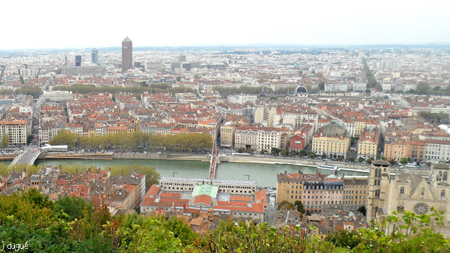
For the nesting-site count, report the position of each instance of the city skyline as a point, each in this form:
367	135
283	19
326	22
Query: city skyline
236	23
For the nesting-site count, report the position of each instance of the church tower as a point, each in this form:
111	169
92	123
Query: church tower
379	185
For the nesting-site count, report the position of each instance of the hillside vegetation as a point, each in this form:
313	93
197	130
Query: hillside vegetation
71	225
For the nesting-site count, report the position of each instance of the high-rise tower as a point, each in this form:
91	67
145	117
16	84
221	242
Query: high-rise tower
94	56
78	60
127	54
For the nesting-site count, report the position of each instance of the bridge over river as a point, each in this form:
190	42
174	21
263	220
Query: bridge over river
28	156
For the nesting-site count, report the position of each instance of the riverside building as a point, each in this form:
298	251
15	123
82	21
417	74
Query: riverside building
236	198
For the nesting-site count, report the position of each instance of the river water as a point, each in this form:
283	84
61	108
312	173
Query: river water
264	174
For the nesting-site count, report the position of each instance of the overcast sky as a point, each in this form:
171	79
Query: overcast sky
96	23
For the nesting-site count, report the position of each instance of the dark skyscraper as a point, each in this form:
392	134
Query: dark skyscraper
94	55
127	54
78	60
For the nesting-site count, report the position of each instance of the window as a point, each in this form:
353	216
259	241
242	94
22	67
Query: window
402	190
422	192
443	194
445	176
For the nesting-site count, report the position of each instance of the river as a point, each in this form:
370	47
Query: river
264	174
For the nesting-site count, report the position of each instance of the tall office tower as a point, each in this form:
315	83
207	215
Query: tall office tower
182	58
127	54
94	55
78	60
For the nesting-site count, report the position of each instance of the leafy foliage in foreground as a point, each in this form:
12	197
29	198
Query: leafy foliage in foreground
55	227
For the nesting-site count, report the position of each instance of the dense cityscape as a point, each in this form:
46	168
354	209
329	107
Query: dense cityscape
367	129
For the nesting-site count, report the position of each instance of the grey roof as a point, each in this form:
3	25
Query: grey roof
380	162
301	89
333	129
126	39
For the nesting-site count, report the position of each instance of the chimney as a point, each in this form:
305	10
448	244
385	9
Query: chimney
322	222
304	218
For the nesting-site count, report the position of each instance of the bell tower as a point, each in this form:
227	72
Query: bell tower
378	187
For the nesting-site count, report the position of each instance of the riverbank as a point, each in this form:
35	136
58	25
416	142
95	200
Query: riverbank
176	156
343	166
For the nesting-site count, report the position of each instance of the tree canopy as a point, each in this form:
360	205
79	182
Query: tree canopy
135	141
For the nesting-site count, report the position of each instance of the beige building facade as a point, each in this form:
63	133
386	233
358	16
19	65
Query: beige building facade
400	192
332	140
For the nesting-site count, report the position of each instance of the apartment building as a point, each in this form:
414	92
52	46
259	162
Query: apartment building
396	149
355	192
437	150
17	130
332	139
417	150
227	132
268	138
368	144
264	115
246	137
316	191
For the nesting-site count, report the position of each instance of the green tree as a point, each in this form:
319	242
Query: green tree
241	150
423	88
404	160
299	206
321	85
312	155
74	207
362	209
344	239
294	153
29	139
5	141
303	152
285	205
383	158
275	151
324	155
351	159
283	152
180	230
360	159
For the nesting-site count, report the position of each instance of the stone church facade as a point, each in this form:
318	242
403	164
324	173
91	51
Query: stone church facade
398	192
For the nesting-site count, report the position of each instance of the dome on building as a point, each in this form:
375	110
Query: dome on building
301	89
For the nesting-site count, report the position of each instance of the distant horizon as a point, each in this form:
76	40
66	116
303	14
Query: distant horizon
252	46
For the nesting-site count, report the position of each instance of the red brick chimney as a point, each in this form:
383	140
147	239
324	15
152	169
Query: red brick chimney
304	218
